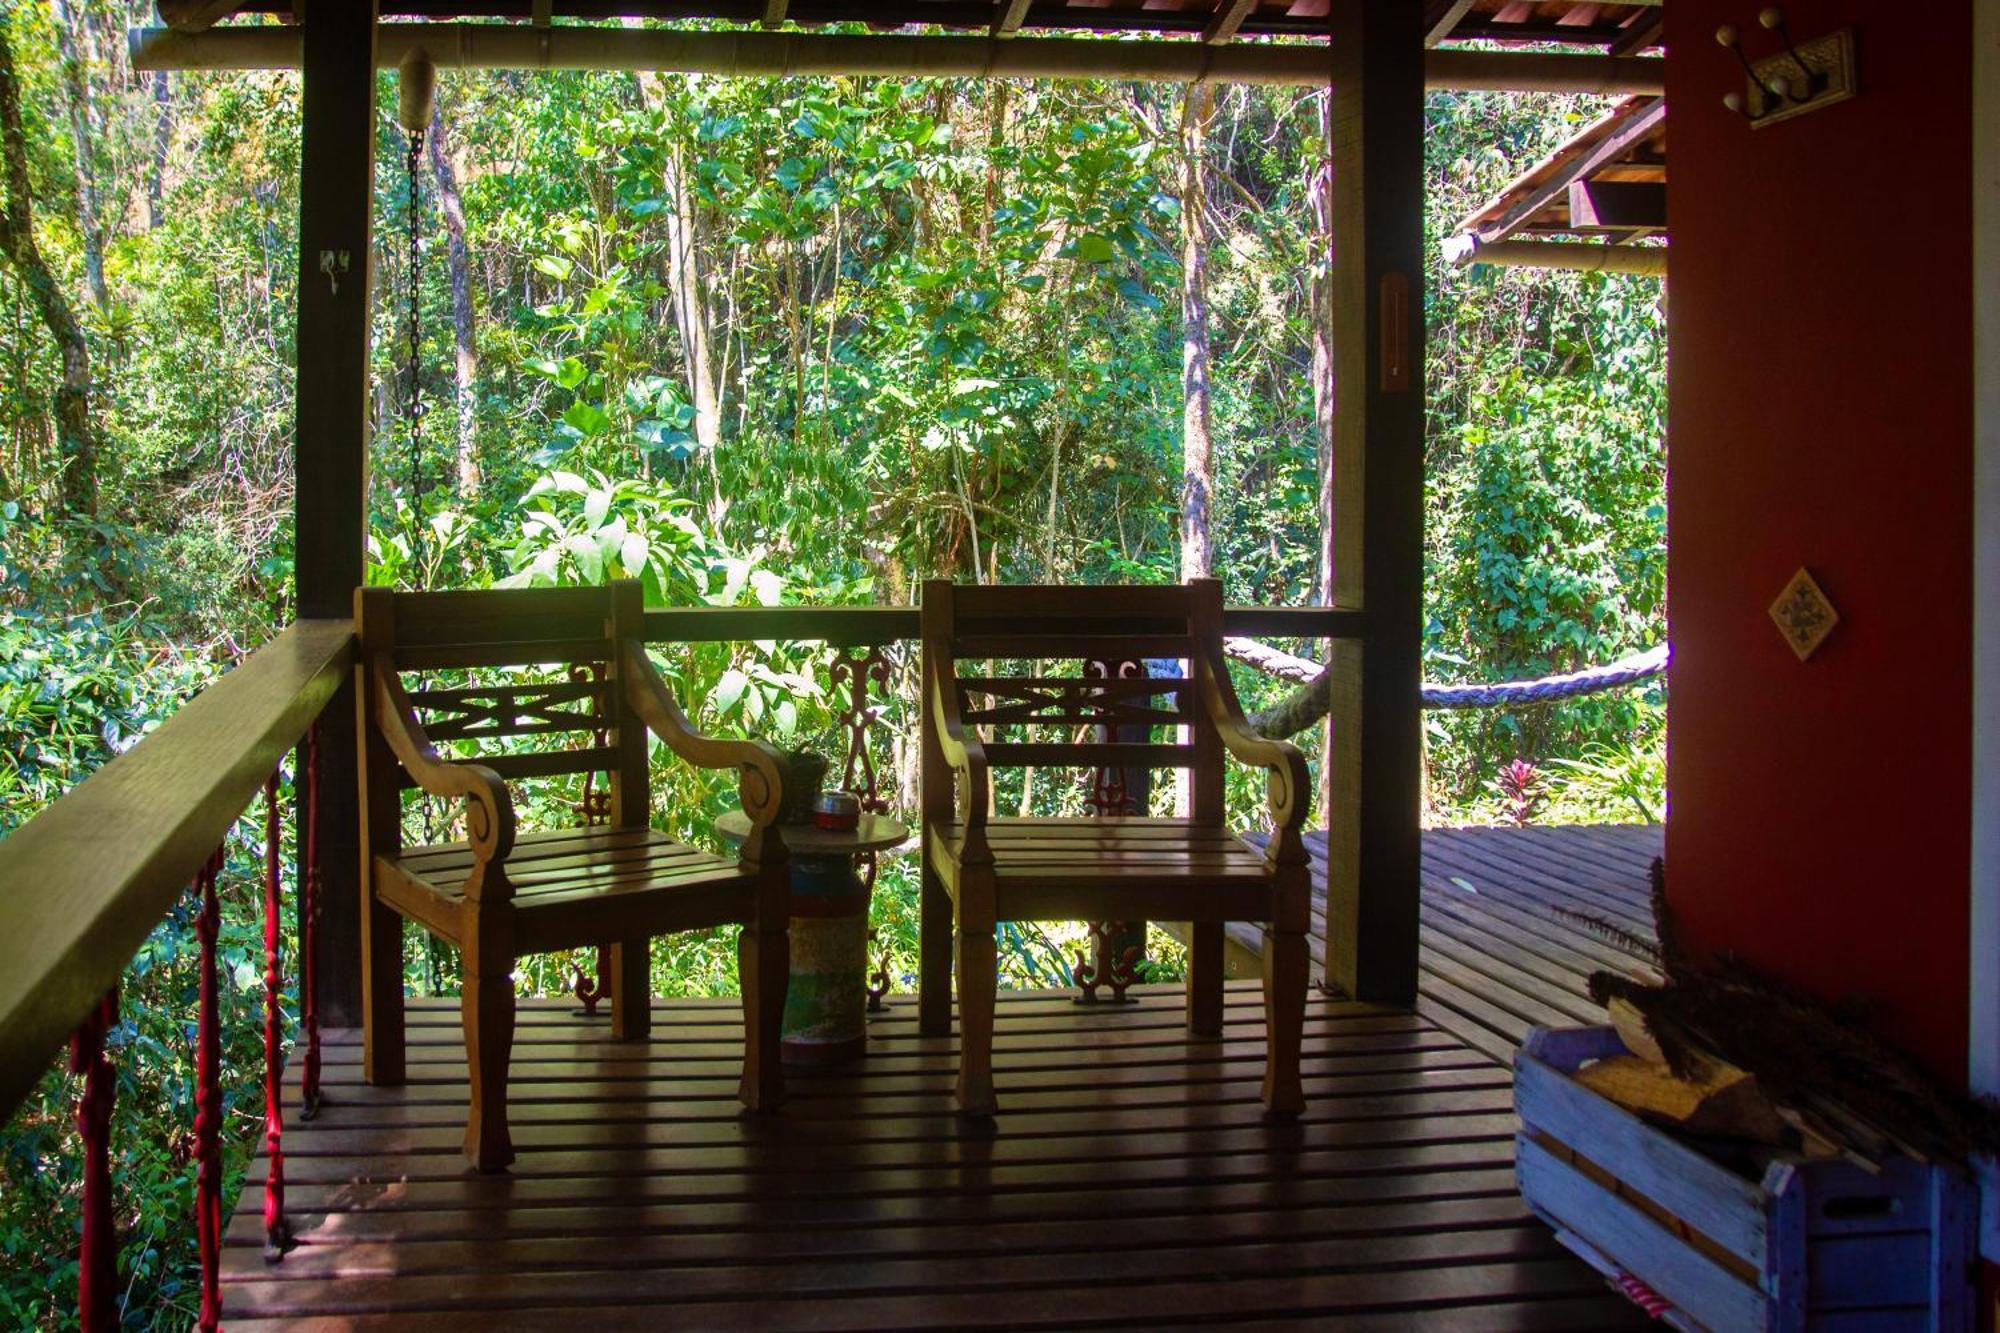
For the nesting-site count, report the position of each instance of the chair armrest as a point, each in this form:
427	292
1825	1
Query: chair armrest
1290	785
963	751
489	809
761	787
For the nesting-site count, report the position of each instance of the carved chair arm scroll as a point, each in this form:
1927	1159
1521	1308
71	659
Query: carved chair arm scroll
489	809
962	750
1289	790
761	766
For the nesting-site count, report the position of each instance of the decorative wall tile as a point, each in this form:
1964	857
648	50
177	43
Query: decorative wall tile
1803	614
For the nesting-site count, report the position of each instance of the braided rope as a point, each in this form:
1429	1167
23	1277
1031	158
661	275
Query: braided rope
1545	689
1591	680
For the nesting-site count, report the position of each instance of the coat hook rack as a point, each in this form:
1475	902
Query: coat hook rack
1799	79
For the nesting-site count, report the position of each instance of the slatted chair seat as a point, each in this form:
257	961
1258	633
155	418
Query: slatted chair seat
573	670
1117	854
562	879
982	868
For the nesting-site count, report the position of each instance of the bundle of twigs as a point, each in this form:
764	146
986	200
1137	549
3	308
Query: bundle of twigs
1804	1052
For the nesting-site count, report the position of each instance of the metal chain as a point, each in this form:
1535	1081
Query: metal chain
413	403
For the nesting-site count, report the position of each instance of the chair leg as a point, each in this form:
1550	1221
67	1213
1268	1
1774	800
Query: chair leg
934	954
631	990
763	970
1204	982
382	1038
487	1003
1286	975
978	984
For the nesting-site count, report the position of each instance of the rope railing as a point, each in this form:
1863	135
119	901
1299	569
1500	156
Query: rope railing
1309	703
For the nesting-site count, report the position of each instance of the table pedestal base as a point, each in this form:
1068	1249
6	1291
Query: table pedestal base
826	1004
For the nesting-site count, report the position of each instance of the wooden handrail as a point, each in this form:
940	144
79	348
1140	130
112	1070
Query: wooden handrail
869	626
84	881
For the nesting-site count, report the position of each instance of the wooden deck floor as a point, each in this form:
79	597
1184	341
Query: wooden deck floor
1498	955
1129	1180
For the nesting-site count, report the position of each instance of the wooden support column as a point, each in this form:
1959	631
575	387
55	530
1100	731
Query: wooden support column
1375	527
336	197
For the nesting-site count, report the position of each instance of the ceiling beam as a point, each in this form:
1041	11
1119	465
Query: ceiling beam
1229	16
1574	256
496	46
196	15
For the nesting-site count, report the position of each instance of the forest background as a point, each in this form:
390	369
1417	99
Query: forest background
753	341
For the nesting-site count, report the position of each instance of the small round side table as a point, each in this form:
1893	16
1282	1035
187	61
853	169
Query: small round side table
826	1003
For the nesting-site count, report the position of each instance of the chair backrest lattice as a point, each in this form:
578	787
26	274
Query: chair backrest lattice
1064	677
520	680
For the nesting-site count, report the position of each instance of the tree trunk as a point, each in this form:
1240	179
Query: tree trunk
76	86
163	138
75	432
690	289
687	285
466	365
1322	340
1197	450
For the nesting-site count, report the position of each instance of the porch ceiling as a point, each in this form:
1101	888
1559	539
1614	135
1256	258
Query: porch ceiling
1619	27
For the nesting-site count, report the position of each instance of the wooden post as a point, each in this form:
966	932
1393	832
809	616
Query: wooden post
336	197
1375	527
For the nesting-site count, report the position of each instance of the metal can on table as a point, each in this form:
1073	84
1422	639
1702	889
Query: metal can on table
837	810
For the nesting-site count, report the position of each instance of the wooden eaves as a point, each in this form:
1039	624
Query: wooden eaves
1609	183
764	46
1616	27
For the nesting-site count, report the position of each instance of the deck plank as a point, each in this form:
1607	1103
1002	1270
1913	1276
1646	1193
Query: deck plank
1130	1178
1505	929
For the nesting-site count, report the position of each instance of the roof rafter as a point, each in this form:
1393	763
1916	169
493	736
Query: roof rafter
1229	16
1445	20
1008	16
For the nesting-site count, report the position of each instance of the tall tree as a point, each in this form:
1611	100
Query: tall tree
163	139
687	285
1321	309
76	438
1197	447
76	87
689	288
465	366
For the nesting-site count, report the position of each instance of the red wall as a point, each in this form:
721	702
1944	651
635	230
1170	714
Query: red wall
1821	415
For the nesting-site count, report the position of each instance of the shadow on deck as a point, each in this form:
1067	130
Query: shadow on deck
1129	1180
1501	946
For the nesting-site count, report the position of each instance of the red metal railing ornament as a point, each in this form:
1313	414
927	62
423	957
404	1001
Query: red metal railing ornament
97	1266
1112	967
1110	797
208	1102
277	1235
851	672
309	934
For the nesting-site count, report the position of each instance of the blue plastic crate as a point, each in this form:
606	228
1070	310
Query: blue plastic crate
1814	1245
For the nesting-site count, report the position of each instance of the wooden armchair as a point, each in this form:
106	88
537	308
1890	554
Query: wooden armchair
981	869
498	896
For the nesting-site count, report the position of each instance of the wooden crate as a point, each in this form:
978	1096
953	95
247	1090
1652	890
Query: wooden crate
1819	1245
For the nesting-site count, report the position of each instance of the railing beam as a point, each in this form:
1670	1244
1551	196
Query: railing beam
85	881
